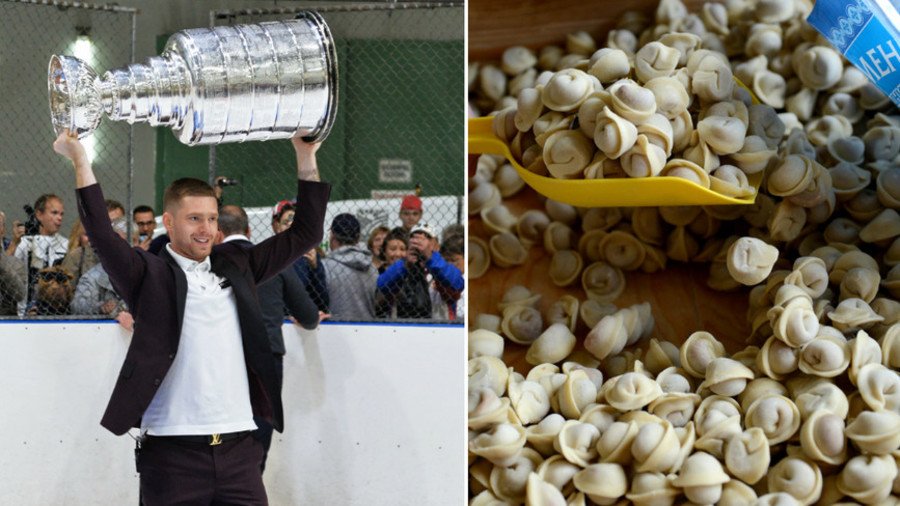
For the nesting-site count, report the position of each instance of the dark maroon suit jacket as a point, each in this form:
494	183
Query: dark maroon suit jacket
155	289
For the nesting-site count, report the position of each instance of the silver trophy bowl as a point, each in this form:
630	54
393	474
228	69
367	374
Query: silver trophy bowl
238	83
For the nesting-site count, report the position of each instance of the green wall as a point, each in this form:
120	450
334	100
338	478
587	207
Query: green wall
398	99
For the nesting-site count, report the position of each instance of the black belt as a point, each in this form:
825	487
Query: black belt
210	440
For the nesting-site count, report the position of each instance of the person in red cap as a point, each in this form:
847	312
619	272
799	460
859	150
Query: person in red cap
410	211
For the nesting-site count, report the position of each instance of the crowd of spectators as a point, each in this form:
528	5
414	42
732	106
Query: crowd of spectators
405	272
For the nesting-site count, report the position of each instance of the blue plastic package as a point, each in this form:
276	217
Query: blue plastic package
867	33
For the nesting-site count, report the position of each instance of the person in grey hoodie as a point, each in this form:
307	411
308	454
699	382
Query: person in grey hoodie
94	294
350	275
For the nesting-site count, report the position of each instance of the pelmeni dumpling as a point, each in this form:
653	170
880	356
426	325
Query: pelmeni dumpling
791	176
822	437
776	415
613	134
479	257
750	260
492	82
608	64
821	395
675	407
506	250
648	489
698	351
818	67
686	169
727	377
868	478
565	267
517	59
485	343
765	124
509	483
521	324
602	282
701	477
567	153
655	60
746	455
529	108
725	135
542	434
541	493
576	442
644	159
501	445
658	130
879	387
875	432
630	391
602	483
656	447
798	477
567	89
487	409
553	345
763	39
826	356
488	372
810	275
671	96
711	76
632	101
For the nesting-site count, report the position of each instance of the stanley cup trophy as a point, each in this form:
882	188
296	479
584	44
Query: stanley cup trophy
212	85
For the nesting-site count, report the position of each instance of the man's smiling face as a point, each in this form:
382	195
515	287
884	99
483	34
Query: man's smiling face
192	226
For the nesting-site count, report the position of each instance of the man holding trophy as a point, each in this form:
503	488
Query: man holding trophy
199	366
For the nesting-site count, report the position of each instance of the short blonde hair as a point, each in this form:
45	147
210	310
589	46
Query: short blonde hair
186	187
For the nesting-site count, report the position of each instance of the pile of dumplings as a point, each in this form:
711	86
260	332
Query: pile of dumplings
809	411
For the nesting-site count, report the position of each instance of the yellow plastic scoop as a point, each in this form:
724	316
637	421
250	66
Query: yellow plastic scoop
614	192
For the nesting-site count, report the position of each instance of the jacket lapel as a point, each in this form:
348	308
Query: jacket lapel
180	285
245	298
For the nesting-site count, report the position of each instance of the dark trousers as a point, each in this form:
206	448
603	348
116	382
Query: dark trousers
264	430
199	474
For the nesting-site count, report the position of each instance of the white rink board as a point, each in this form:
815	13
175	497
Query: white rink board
374	415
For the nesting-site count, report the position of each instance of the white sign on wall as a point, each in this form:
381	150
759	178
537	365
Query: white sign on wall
394	170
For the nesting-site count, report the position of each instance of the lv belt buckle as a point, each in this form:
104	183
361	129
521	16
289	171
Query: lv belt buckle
215	439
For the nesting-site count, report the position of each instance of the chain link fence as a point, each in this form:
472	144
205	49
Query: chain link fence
42	271
395	155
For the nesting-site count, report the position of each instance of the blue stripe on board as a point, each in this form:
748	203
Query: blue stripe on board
355	324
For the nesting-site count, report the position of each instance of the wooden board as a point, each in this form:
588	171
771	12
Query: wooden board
495	25
681	302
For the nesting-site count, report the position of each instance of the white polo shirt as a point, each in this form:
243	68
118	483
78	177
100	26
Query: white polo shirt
206	389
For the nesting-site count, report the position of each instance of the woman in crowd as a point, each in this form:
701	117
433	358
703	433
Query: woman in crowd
80	257
376	245
309	267
394	248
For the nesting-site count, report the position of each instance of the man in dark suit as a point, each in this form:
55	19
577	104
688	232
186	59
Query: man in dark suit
199	367
282	292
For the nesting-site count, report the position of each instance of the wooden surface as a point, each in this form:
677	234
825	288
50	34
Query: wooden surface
495	25
681	302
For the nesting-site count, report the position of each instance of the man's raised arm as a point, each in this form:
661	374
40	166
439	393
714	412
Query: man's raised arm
124	266
307	169
70	147
276	253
